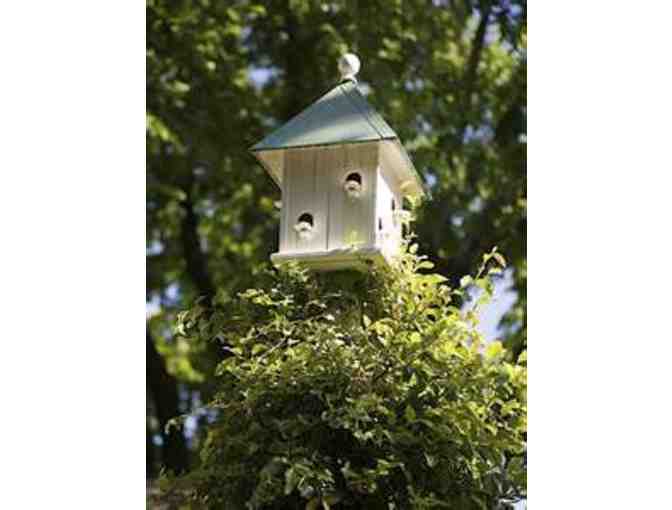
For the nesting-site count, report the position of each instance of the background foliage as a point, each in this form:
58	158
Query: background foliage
449	77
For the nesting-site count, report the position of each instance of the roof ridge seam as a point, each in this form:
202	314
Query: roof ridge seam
362	113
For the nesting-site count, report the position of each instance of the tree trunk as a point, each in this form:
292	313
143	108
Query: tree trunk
197	266
163	389
150	455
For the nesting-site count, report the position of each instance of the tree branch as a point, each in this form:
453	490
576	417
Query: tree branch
475	55
451	141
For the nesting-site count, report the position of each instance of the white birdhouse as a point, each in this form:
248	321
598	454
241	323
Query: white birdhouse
343	175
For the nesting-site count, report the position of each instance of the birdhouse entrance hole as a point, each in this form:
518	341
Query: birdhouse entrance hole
306	218
355	177
353	184
304	226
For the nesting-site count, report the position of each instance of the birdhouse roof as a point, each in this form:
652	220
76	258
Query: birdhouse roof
340	116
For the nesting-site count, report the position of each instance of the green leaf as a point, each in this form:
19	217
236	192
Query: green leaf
494	349
291	480
465	281
431	460
409	413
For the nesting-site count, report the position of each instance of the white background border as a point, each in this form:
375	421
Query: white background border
600	189
72	269
72	160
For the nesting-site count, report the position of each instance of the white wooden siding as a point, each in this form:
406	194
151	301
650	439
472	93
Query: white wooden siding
329	162
390	236
391	166
313	183
351	220
303	195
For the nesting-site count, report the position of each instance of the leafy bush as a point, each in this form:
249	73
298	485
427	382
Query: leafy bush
365	390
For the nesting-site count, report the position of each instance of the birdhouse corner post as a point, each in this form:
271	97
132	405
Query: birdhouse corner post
343	174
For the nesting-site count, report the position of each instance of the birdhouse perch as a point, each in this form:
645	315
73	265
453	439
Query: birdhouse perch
343	174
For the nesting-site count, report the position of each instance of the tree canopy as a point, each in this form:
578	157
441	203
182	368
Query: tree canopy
448	76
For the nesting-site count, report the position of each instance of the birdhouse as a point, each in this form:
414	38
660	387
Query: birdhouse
343	174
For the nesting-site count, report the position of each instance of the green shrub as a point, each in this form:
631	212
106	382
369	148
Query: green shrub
365	390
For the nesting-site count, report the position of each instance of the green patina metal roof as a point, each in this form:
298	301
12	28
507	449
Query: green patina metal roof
342	115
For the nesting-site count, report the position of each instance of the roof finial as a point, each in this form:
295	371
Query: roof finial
349	65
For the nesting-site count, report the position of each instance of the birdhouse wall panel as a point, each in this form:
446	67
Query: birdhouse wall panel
388	235
306	203
394	163
367	156
351	214
319	204
285	224
334	172
398	197
330	162
383	212
321	197
390	166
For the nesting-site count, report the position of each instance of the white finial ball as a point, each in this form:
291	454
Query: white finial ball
349	65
